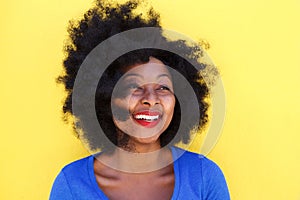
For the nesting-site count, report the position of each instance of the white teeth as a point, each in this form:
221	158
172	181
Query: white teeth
146	117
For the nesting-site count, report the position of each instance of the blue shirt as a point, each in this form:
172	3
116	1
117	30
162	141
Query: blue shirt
196	178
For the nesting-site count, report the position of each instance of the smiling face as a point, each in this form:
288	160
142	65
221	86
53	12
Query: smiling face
143	101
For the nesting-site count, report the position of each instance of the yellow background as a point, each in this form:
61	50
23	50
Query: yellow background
255	44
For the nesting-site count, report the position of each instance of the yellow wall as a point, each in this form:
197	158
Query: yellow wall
256	45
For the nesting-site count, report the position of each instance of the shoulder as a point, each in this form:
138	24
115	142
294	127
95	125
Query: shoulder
75	171
78	165
74	181
204	176
192	160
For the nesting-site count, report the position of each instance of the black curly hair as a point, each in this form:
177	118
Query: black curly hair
103	21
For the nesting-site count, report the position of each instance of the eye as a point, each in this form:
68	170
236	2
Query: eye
134	89
162	87
134	86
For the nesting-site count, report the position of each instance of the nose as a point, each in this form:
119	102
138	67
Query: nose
150	97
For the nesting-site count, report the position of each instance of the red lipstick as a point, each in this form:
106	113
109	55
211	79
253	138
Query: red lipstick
147	119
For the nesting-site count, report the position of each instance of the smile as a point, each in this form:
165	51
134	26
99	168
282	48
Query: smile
147	118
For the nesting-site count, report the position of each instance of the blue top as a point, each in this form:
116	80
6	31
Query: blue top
196	178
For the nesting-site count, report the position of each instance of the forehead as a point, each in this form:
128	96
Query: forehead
152	70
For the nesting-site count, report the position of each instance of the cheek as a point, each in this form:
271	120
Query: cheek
125	103
170	105
120	109
132	103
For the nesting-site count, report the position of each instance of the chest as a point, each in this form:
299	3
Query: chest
141	187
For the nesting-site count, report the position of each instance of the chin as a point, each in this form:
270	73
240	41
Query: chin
148	140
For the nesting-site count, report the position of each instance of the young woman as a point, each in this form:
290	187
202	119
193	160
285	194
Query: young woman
141	115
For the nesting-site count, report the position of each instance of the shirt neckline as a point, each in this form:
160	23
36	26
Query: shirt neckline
101	194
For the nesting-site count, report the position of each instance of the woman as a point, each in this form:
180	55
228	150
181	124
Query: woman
138	108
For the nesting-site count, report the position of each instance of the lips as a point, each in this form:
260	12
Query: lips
147	119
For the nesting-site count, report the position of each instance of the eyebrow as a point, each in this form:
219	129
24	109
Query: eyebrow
133	74
162	75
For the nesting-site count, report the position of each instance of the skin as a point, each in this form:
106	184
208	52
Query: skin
144	88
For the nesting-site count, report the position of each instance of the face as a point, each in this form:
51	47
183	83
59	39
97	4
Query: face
143	101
